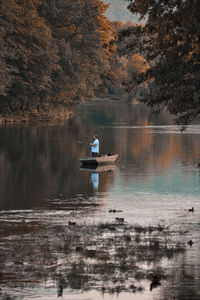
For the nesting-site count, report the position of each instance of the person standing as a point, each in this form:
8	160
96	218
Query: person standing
95	146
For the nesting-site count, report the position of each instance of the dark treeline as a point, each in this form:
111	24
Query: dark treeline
51	53
170	42
54	54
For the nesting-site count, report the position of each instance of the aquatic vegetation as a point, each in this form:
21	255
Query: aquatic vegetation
108	257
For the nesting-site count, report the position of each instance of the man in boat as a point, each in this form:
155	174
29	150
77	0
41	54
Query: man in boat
95	146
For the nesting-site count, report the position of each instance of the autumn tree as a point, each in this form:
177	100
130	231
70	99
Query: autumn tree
80	31
53	53
124	64
169	41
27	56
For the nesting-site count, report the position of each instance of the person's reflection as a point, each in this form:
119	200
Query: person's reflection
95	180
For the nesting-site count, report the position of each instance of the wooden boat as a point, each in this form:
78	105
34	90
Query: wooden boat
98	168
99	160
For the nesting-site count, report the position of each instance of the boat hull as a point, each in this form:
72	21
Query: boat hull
98	168
101	160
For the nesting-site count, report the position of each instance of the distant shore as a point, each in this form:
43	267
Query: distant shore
52	115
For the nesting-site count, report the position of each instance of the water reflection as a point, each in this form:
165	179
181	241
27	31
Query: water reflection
99	168
43	187
105	257
95	180
94	171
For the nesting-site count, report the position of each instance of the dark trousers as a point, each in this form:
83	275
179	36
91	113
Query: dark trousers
94	154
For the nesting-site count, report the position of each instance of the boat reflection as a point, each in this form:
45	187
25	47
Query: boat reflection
99	168
95	170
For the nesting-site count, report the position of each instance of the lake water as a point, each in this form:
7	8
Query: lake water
42	187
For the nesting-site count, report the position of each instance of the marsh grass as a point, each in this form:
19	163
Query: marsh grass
108	257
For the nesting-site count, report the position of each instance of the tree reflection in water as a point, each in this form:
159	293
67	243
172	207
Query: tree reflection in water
41	185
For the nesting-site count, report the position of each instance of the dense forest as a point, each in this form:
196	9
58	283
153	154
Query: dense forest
52	53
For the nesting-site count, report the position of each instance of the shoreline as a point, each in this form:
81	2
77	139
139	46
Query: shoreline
54	115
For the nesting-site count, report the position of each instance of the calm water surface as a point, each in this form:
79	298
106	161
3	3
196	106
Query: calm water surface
42	187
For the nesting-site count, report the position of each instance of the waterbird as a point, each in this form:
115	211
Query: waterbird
71	223
114	211
183	127
191	209
120	220
155	281
190	243
154	284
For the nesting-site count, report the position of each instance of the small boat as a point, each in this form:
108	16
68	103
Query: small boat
99	160
98	168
